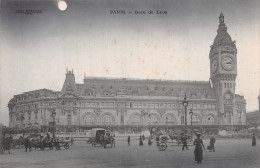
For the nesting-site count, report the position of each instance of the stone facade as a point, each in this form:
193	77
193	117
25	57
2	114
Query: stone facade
135	102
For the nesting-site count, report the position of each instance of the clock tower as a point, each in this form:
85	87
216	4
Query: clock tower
223	72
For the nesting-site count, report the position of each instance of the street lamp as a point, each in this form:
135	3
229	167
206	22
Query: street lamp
53	115
167	123
185	104
191	114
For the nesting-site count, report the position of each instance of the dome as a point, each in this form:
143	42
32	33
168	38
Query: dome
222	38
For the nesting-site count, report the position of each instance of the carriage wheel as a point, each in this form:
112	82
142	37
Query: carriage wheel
66	146
162	146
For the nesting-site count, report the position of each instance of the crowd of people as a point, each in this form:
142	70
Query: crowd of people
28	142
108	141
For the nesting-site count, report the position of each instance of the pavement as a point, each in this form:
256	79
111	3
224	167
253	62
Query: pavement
230	153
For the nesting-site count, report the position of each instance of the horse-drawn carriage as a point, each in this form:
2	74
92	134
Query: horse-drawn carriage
100	137
49	144
173	139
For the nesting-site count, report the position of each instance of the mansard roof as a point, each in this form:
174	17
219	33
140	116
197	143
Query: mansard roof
145	87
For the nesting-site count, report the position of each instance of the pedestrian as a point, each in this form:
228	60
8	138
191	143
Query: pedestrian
184	139
149	141
143	137
71	140
198	152
253	140
157	139
27	144
212	144
128	140
141	141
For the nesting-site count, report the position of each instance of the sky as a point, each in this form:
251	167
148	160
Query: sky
36	49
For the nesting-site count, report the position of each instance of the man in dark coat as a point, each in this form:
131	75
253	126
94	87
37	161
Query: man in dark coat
128	140
212	144
253	140
184	139
27	144
141	141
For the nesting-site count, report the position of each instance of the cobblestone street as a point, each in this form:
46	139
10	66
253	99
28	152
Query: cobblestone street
229	153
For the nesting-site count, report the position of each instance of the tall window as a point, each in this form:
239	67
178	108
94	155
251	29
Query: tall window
69	119
229	118
182	119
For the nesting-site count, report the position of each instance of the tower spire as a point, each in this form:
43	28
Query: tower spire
221	18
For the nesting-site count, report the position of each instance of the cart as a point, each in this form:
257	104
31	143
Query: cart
173	140
98	137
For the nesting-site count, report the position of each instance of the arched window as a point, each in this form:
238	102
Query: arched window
107	120
195	120
170	120
89	120
136	120
210	120
152	119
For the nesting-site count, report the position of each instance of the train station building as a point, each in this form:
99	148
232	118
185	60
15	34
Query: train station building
137	103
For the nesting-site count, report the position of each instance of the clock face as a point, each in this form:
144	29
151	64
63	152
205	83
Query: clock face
227	63
214	66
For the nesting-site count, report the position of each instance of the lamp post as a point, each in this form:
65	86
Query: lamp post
185	104
191	114
167	124
53	115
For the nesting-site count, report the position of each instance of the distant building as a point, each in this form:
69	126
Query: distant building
133	103
253	117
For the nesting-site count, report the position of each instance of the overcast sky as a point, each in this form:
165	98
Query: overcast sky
36	49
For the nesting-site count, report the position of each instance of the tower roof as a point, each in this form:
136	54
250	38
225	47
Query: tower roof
69	83
222	37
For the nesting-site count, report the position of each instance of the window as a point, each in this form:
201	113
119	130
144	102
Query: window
239	114
210	120
182	119
229	118
69	119
107	120
170	120
136	120
152	120
195	120
89	120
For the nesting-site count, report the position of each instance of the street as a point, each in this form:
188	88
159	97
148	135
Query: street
231	153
